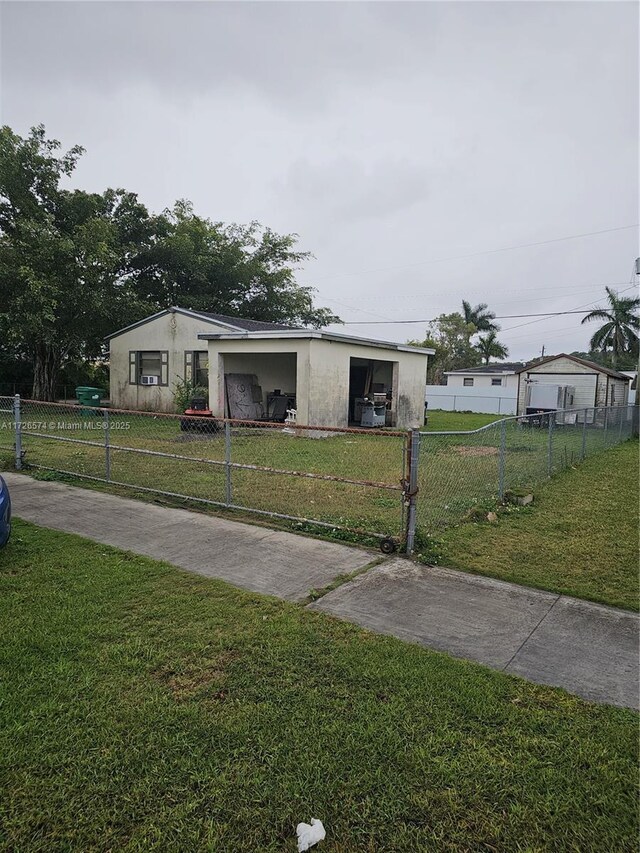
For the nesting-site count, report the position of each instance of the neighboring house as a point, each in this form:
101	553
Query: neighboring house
324	375
498	375
491	388
594	385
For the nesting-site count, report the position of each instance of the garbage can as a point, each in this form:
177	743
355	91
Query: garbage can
88	396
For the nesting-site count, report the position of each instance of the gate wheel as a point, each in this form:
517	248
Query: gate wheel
388	545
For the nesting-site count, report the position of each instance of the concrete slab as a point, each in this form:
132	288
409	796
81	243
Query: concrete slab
255	558
586	648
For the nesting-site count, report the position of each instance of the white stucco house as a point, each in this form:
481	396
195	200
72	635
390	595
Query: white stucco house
594	384
247	365
498	375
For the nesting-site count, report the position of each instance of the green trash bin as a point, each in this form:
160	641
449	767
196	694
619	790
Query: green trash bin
88	396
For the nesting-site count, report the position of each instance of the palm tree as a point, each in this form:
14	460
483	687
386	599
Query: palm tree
620	331
479	316
490	347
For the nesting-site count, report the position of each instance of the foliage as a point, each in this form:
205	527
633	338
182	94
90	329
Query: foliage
74	265
150	709
450	336
184	390
490	347
479	317
619	333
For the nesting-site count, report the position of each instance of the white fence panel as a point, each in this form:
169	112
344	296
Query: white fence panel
493	401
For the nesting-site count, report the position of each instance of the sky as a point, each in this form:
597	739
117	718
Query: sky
404	142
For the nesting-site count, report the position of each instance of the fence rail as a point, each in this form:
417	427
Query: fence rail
385	484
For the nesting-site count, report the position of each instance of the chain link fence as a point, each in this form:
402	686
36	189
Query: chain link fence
385	484
460	472
348	479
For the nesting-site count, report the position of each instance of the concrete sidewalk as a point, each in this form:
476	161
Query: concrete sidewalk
255	558
588	649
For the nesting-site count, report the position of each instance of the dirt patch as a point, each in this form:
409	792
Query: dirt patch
197	678
475	451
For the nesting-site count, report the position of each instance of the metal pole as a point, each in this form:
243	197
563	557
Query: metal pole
227	462
107	447
502	458
413	488
17	423
606	425
550	449
584	434
619	410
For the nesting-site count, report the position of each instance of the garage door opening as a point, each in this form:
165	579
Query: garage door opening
373	382
259	386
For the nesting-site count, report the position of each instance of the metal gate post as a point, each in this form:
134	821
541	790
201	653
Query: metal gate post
550	449
107	446
502	458
227	462
17	425
414	461
584	434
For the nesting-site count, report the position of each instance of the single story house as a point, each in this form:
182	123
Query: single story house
252	369
594	384
496	375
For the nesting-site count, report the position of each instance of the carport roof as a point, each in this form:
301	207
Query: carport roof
315	334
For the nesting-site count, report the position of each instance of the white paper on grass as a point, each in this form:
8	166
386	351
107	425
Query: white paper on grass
309	834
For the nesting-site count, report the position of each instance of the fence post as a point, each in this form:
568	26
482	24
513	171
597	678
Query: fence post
584	434
17	424
619	410
227	462
107	446
606	425
502	458
414	461
550	449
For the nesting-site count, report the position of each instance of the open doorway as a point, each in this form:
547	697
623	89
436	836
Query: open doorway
373	381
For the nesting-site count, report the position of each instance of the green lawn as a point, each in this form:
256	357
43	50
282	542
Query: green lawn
441	420
579	538
147	709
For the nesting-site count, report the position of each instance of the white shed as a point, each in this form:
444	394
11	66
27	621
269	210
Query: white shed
594	384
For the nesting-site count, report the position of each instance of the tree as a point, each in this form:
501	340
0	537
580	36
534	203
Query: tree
490	347
619	333
479	317
241	270
450	336
74	265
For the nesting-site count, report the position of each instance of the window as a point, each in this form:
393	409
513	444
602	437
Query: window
196	367
467	382
613	394
148	363
496	381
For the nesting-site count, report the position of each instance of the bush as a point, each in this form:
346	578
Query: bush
183	392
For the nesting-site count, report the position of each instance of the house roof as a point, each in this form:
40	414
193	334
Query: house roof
583	361
232	323
497	367
317	334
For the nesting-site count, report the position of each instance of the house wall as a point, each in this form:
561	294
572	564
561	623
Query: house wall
329	390
172	332
593	388
509	382
322	376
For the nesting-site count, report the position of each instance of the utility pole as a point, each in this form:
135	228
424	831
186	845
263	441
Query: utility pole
542	353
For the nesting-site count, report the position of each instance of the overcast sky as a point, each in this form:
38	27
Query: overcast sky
395	138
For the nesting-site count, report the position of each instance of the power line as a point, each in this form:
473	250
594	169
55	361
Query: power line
478	254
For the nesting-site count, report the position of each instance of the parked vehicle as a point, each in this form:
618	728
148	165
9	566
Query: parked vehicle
5	513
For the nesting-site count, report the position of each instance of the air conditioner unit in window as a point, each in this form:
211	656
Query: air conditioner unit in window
149	380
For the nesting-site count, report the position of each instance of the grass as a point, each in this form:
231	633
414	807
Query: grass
147	709
439	419
580	537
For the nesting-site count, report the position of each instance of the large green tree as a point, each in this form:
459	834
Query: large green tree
74	265
450	336
618	335
479	317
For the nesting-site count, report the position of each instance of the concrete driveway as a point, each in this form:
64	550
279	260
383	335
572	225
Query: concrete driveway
255	558
588	649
